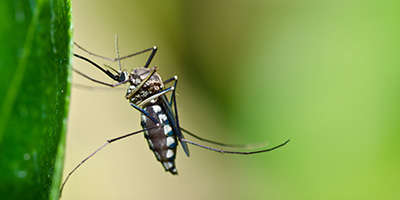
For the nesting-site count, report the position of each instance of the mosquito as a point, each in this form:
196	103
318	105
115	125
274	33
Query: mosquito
159	115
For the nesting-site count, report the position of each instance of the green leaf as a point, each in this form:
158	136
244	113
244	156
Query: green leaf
35	60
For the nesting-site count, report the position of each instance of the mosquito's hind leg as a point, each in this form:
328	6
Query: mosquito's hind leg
233	152
175	79
173	101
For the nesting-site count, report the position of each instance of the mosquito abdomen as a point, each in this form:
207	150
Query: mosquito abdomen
162	140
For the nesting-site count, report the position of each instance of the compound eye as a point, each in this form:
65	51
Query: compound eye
123	77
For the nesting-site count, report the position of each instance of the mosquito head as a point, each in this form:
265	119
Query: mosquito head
144	83
122	76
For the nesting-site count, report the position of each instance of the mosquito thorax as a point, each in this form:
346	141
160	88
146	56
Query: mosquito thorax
152	86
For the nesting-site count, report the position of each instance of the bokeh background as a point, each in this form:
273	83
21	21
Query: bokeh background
323	73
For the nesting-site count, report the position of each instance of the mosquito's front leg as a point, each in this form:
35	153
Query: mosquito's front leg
152	49
101	82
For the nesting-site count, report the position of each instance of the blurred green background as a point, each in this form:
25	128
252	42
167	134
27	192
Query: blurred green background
323	73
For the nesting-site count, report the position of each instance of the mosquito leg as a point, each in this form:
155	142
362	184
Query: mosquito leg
109	67
153	52
179	133
83	161
174	78
100	82
93	54
173	99
156	96
97	150
153	49
232	152
108	73
145	113
262	144
94	88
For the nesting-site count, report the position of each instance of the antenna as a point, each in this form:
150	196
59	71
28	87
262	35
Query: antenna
117	51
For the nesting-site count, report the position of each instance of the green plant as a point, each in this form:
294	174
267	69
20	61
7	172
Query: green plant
35	59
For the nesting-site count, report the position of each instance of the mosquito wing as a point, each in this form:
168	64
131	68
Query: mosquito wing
174	122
